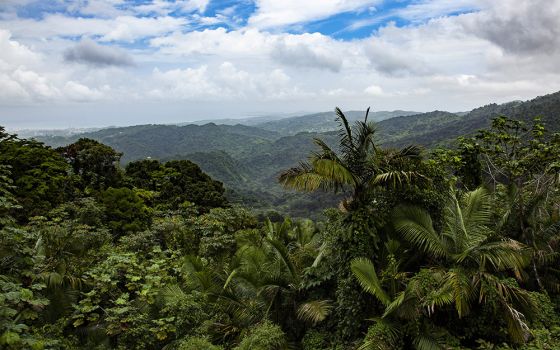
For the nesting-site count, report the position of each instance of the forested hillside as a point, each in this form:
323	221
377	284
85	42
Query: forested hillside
248	159
434	130
322	122
452	248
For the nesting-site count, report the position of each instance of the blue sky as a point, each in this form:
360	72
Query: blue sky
99	62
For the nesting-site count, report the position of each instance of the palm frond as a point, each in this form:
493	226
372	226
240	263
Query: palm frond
395	178
502	255
425	342
364	271
416	227
394	305
516	323
392	334
304	178
333	171
314	311
476	208
284	256
326	150
460	284
346	140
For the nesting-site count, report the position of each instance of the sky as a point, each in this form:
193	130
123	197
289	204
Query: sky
87	63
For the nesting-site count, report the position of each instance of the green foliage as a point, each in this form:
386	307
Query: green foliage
38	175
216	231
197	343
382	336
95	163
416	257
7	199
125	210
176	182
315	340
265	336
123	290
18	307
471	254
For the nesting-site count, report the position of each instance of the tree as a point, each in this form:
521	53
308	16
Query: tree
360	167
145	173
39	175
7	199
185	181
125	211
363	171
95	163
177	182
474	259
521	163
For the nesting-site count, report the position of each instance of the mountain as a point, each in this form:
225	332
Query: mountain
439	128
248	159
249	121
162	141
416	128
322	122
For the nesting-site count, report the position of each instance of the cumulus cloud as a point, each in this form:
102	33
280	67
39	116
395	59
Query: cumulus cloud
224	81
519	26
80	92
122	28
298	53
20	83
374	90
392	61
89	52
501	50
294	50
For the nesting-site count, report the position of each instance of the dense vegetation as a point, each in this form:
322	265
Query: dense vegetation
457	248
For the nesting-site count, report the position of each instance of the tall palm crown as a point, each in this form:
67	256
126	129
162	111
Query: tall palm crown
474	257
473	262
358	167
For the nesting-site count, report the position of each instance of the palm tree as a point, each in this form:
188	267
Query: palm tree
532	218
472	257
273	267
407	301
264	280
358	168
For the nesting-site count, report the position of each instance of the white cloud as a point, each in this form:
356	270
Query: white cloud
427	9
506	50
307	51
79	92
12	51
121	28
222	82
18	82
374	90
164	7
302	50
274	13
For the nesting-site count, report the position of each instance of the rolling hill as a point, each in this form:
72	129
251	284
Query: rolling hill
248	159
323	122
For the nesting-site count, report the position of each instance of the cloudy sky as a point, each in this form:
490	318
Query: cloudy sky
119	62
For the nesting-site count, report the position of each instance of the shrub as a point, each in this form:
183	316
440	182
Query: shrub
266	336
